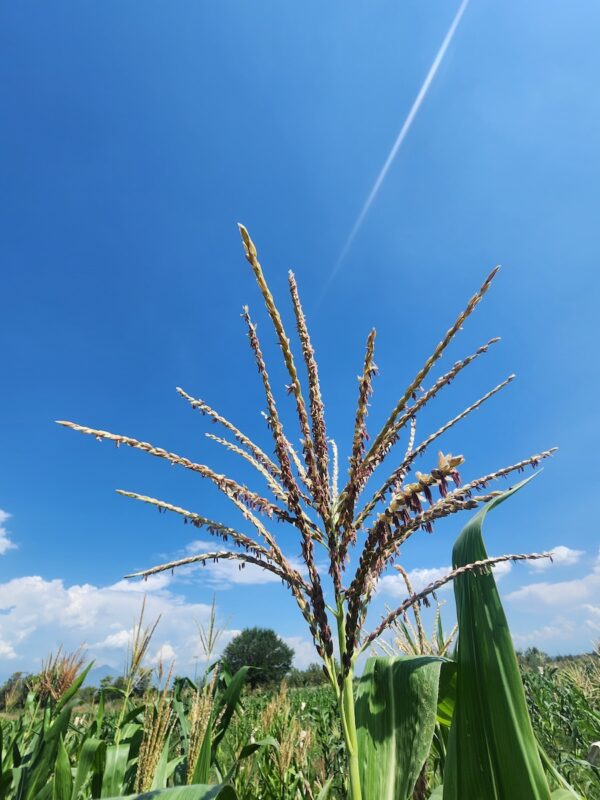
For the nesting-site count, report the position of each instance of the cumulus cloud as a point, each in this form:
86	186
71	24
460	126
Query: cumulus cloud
6	543
562	556
40	614
37	615
574	602
164	654
592	621
394	586
559	630
6	650
226	574
304	651
562	594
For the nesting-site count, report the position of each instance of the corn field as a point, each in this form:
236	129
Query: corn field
449	723
280	744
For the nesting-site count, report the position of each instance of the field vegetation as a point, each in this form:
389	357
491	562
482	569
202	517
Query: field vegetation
278	742
429	717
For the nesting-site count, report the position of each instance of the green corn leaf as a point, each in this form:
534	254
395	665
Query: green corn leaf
492	751
568	792
85	763
5	774
159	781
326	790
446	693
202	766
63	780
437	793
74	688
117	756
249	750
229	700
396	704
38	769
196	792
132	715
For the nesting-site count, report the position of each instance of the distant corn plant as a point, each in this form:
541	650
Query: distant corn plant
59	672
157	724
411	638
304	489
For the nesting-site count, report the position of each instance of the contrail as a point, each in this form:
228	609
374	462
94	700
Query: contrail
400	138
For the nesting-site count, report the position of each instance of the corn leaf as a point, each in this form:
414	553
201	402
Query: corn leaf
396	704
63	780
492	751
446	694
196	792
159	780
204	760
85	763
117	757
38	765
326	790
74	688
226	704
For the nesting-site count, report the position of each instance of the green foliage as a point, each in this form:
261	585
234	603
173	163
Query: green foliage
564	717
493	752
565	712
139	686
197	792
313	675
13	691
396	705
268	656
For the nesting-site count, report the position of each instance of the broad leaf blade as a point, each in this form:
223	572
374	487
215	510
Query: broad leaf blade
85	764
396	706
202	767
197	792
117	756
63	780
492	751
227	702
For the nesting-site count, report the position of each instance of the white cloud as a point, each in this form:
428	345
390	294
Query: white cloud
593	618
304	651
578	617
227	573
562	594
115	641
6	650
502	569
38	615
164	655
201	545
559	630
562	556
6	543
394	586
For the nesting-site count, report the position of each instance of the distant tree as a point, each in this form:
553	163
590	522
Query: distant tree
313	675
13	691
87	695
261	649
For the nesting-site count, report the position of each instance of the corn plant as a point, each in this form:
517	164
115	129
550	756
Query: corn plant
358	538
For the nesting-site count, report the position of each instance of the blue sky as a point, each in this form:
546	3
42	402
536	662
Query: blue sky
136	135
